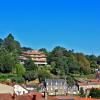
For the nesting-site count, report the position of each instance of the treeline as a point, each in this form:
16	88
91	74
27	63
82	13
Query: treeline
61	62
65	61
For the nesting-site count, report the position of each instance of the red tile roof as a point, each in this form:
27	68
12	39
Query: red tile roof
89	82
23	97
89	99
39	96
6	97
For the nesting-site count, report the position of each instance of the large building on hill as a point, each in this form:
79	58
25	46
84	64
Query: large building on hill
38	57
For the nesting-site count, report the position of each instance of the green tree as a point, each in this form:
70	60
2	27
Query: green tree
44	50
1	42
93	61
29	65
94	93
7	62
42	74
84	63
31	75
81	91
56	53
20	70
70	81
11	45
26	48
73	64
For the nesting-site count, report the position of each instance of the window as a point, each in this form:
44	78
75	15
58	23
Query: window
56	87
51	83
19	92
56	83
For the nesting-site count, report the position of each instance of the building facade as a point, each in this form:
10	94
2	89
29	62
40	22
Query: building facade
73	89
38	57
56	86
89	84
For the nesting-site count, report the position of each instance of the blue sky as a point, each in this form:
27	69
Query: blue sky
74	24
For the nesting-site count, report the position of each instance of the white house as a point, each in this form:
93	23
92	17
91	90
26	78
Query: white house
20	90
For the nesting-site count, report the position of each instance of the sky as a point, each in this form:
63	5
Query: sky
73	24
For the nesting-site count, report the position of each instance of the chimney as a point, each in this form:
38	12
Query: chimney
14	96
45	95
34	97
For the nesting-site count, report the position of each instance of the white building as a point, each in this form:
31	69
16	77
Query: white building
20	90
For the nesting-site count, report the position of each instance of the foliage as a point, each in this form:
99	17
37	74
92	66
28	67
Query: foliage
93	61
20	70
84	64
62	62
29	65
9	54
43	74
10	44
44	50
26	48
7	61
70	81
30	75
81	91
94	93
18	79
1	42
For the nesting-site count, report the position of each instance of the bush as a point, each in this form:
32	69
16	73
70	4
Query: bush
18	79
5	69
94	93
30	75
42	74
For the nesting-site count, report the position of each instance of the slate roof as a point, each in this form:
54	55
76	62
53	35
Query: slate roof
60	82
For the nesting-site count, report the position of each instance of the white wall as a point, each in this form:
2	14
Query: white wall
19	90
6	89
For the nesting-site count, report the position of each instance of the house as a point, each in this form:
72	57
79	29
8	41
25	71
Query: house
88	84
20	90
6	89
73	89
56	86
38	57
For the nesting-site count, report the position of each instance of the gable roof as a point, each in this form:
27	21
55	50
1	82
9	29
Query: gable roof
54	81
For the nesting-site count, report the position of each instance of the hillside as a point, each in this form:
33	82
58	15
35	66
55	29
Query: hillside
61	63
